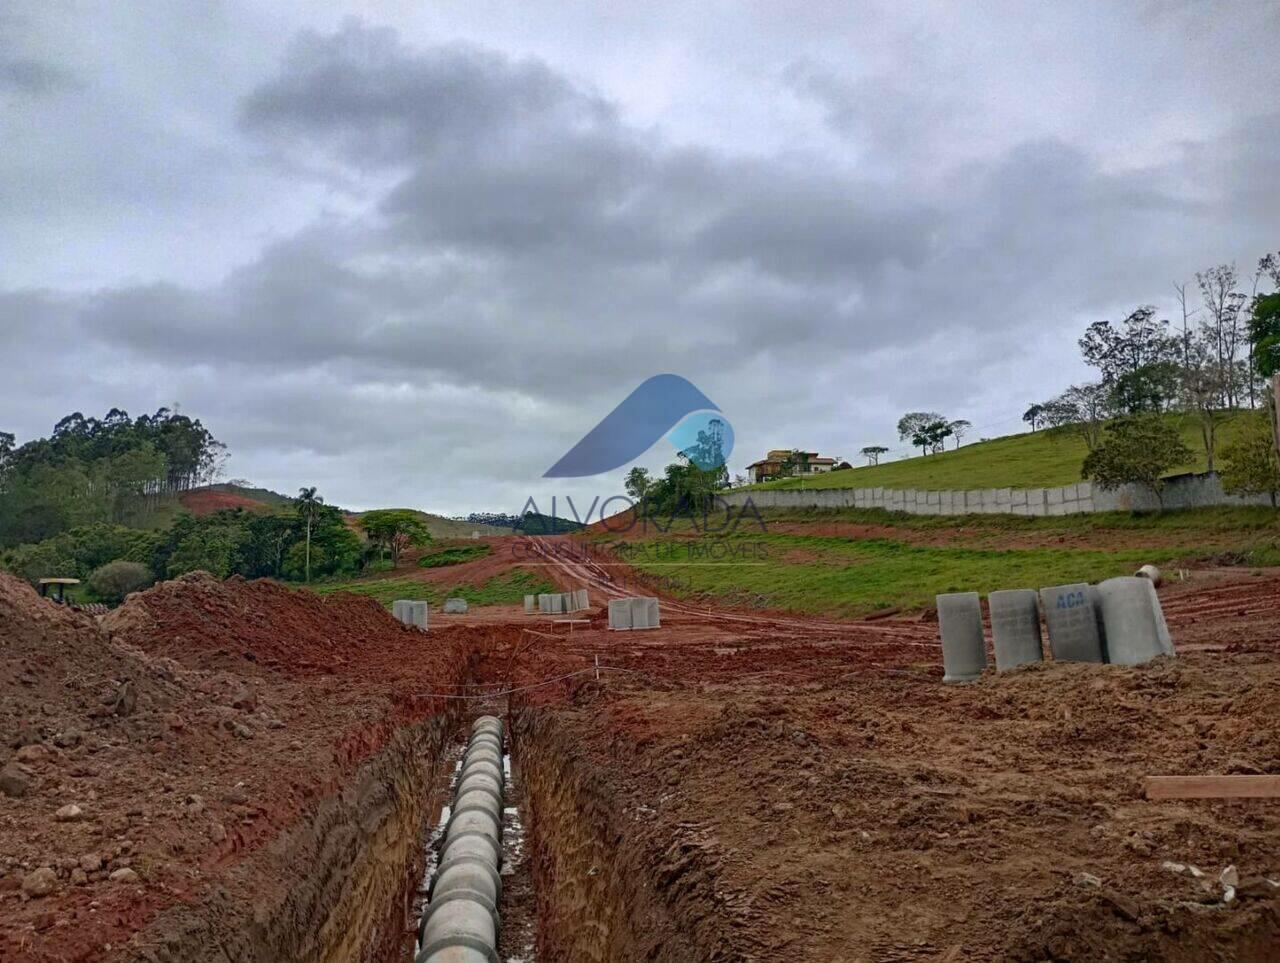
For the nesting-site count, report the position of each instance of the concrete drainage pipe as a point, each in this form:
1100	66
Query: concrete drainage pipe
461	922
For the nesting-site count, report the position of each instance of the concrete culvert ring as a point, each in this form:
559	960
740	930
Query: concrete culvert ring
461	922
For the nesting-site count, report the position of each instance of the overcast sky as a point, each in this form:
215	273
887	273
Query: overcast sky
411	252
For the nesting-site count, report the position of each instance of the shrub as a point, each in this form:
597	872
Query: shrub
113	581
1136	450
1251	465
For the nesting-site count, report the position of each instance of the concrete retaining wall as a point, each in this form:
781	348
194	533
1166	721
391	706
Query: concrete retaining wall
1180	491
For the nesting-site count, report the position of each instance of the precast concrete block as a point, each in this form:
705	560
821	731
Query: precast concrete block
1136	631
1166	640
653	616
964	651
414	613
1018	496
1096	601
1015	627
544	603
639	613
1004	498
583	599
1053	496
530	604
398	610
454	606
1037	502
620	614
1073	627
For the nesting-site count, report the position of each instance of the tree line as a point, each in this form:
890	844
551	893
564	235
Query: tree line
1210	365
92	470
1213	360
308	539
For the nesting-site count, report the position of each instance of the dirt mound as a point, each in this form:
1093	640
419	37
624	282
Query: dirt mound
205	622
97	741
131	781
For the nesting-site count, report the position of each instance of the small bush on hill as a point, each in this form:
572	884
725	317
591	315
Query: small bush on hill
113	581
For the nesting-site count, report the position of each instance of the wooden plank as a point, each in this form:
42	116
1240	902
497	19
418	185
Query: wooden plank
1213	787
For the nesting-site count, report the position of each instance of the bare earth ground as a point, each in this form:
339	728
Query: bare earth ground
796	789
179	767
831	800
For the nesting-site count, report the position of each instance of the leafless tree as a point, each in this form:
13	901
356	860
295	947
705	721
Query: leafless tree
1202	391
1222	303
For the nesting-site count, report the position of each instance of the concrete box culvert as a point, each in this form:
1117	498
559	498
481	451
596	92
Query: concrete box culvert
1072	621
964	650
619	614
1015	627
1136	632
530	604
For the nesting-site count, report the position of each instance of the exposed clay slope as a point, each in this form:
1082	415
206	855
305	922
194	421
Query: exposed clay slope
200	780
237	623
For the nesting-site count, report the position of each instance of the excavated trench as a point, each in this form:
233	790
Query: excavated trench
349	883
339	885
584	876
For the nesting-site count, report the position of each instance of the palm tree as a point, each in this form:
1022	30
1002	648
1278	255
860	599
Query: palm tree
309	505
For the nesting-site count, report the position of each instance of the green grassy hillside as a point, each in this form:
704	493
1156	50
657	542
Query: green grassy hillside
1032	460
849	562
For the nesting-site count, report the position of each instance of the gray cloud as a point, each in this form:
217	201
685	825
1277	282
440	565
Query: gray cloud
25	75
485	252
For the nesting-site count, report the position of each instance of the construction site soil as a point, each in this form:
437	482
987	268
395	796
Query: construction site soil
731	786
155	763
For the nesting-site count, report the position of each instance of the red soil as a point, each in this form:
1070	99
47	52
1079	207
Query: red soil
206	501
803	789
809	790
247	704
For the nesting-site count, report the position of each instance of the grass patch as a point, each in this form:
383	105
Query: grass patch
454	555
844	577
1241	519
506	589
1031	460
1233	524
